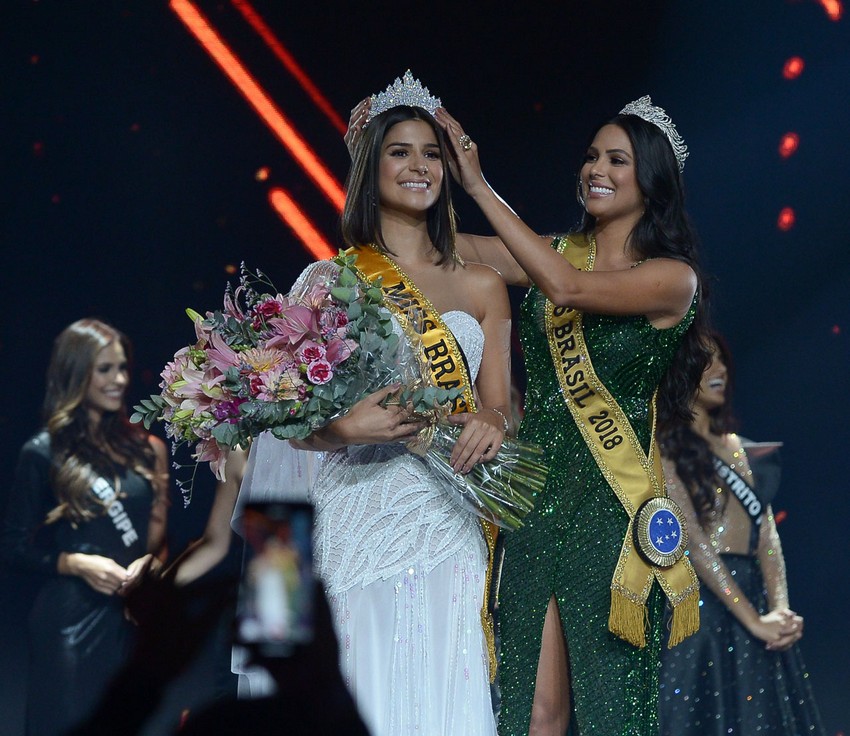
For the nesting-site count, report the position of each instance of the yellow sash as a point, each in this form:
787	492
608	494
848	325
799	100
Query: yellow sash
448	370
634	477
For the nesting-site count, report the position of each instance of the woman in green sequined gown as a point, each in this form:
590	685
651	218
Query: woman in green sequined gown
561	668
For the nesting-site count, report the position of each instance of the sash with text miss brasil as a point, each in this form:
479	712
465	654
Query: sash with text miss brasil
447	365
655	541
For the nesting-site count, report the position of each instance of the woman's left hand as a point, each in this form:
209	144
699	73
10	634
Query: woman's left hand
355	124
479	441
787	640
467	168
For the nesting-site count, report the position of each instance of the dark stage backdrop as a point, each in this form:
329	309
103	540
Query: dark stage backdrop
130	185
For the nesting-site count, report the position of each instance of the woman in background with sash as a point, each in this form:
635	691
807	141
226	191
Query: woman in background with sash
612	319
742	672
87	514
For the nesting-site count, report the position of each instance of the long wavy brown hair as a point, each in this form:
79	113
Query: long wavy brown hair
690	453
81	451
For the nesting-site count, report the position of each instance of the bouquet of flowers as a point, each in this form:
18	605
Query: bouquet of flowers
289	364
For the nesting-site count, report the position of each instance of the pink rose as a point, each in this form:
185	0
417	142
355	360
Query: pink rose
319	372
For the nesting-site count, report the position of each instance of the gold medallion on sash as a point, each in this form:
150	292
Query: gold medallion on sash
448	370
655	542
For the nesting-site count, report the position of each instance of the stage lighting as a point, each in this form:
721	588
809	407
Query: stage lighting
786	219
793	67
789	144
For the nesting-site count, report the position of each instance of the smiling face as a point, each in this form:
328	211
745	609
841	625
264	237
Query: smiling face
609	177
108	381
712	388
410	172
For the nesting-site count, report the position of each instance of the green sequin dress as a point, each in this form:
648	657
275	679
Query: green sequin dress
571	541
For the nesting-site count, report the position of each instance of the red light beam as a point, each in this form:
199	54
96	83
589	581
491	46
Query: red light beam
200	28
292	215
834	8
288	60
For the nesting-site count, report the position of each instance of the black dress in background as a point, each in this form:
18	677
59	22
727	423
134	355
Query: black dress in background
722	681
78	638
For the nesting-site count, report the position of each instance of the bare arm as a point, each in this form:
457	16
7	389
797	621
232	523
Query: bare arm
662	289
159	509
205	553
492	252
367	423
484	431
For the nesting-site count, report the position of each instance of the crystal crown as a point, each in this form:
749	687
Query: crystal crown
404	91
643	108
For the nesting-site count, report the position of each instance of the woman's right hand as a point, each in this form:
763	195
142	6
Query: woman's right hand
773	627
101	573
372	421
467	167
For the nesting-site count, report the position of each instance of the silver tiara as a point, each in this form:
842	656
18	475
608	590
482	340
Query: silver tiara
404	91
644	108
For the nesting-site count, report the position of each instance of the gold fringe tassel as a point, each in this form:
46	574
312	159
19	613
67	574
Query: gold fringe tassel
685	619
627	619
487	622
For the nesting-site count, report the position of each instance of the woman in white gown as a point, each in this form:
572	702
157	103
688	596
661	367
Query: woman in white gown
403	565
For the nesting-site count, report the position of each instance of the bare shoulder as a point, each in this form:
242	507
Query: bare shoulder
677	277
487	291
483	276
671	267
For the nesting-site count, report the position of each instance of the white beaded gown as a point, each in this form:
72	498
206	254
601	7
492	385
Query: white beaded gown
403	566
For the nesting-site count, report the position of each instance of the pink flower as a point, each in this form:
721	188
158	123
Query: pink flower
317	296
338	350
295	324
264	311
319	372
207	450
260	360
173	370
332	319
279	384
202	332
221	355
231	304
311	351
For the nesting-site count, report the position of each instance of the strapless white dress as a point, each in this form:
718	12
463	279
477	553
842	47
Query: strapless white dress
404	569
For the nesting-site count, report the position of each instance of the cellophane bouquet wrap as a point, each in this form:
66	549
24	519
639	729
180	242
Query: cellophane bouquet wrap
501	491
290	364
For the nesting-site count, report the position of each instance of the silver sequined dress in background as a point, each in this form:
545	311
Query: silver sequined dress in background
722	680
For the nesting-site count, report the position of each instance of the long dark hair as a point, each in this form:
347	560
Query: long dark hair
82	452
665	231
691	453
361	222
